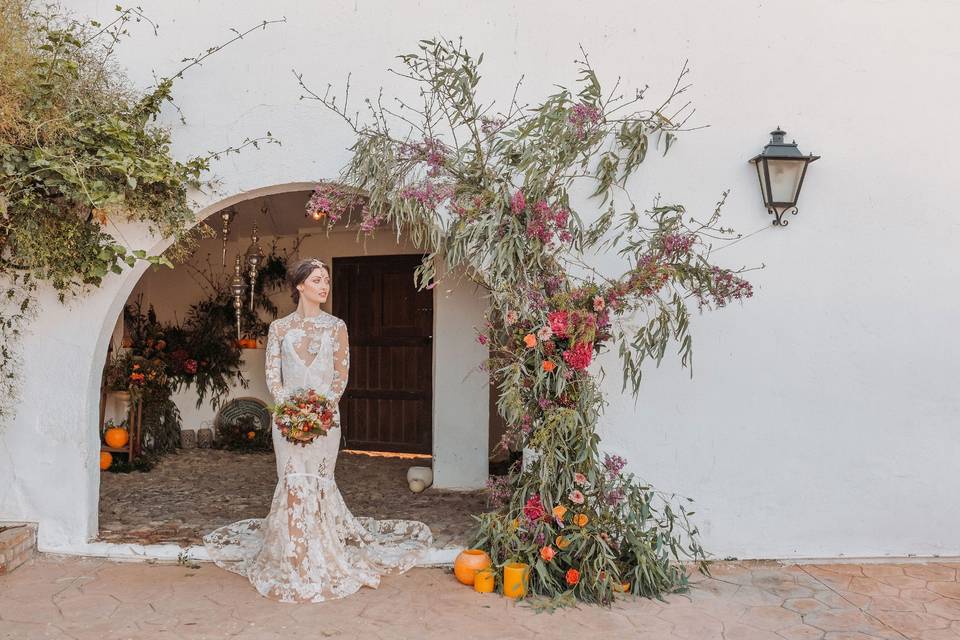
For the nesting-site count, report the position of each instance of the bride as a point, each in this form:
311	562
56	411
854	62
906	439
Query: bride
310	548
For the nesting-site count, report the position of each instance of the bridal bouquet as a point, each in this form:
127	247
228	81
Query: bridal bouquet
304	416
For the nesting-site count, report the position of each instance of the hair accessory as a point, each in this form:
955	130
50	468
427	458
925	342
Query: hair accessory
318	263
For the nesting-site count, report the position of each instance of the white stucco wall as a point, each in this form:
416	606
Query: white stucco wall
821	420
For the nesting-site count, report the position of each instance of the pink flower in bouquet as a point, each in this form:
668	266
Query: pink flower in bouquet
544	333
559	323
534	509
190	366
580	356
576	496
518	203
598	303
580	479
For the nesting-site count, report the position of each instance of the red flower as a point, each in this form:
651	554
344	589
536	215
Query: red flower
558	323
190	366
534	510
579	356
573	577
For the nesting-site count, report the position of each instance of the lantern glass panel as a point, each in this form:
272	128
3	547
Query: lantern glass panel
784	180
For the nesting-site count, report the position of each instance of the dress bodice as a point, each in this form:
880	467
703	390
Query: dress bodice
307	353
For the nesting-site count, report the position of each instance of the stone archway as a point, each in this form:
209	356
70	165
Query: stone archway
460	418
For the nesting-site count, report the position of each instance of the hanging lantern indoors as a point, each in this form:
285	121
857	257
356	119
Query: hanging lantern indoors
226	217
254	259
781	169
237	287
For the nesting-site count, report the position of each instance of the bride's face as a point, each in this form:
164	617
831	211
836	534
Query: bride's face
316	287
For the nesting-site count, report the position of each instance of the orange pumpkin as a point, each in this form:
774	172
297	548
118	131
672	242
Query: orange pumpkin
467	564
105	460
116	437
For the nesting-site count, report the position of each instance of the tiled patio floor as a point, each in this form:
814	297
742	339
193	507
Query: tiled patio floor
194	491
82	598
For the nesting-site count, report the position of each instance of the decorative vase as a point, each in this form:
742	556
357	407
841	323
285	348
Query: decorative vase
123	398
188	439
105	460
423	474
484	581
467	564
204	438
515	578
116	437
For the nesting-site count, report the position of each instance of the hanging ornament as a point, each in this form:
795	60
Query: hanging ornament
237	287
226	217
254	258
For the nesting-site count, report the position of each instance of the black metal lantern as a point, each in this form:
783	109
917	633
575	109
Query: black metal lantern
781	169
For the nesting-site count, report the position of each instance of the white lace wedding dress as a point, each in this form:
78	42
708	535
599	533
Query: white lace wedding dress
310	548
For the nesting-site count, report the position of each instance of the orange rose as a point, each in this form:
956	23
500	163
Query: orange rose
573	577
251	435
548	366
530	340
514	524
562	542
581	519
559	511
547	553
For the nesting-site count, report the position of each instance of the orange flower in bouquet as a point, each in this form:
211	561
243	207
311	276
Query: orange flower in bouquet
304	417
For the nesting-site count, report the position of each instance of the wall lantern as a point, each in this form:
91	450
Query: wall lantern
781	168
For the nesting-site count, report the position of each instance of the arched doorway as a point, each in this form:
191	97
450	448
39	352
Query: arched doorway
414	384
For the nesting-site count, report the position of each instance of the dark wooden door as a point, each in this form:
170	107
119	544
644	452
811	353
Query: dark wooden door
388	404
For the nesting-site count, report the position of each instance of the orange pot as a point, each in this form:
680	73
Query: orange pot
516	576
116	437
484	581
105	460
467	564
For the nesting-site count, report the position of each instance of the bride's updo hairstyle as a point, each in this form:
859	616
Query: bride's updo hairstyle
300	271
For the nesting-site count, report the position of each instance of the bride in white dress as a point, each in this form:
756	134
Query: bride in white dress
310	548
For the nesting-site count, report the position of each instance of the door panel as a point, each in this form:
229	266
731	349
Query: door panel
389	398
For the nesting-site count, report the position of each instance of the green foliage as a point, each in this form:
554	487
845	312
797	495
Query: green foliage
486	194
80	152
243	435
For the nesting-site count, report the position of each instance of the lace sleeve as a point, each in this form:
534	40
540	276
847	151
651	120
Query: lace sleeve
273	369
341	360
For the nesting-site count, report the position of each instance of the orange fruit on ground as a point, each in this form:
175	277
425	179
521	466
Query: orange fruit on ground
105	460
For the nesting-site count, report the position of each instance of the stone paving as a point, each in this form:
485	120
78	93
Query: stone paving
194	491
85	598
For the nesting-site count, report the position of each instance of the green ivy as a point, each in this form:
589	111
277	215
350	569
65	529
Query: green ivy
80	152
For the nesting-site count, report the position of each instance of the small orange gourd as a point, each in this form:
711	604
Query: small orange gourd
105	460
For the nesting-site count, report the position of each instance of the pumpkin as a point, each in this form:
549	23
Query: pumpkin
105	460
467	564
116	437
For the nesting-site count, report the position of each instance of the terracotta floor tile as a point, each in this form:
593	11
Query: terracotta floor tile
801	632
770	618
948	589
177	602
931	572
945	608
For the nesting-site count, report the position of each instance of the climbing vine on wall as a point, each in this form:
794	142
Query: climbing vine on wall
80	151
486	193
